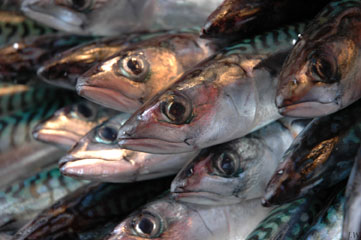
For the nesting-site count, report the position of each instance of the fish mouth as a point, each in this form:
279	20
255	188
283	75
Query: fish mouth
308	109
108	98
57	136
202	197
155	146
67	83
56	17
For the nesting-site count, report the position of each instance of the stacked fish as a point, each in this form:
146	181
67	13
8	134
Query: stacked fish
256	114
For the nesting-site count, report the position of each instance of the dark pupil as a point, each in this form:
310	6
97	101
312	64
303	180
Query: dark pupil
134	66
322	68
108	133
227	165
79	3
84	110
176	110
146	226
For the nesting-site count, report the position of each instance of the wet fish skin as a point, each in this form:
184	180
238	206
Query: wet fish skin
238	170
243	18
15	26
113	17
91	207
321	74
97	157
352	219
321	156
69	124
22	200
135	74
205	105
175	220
20	60
329	225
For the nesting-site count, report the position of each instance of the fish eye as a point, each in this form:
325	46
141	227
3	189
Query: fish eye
323	68
84	111
177	109
81	5
134	67
107	134
226	164
146	225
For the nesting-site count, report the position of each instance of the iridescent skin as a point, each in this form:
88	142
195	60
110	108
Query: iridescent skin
352	221
134	75
321	156
22	200
90	207
169	219
69	124
223	98
114	17
20	60
321	75
20	154
329	225
238	170
14	27
97	157
240	18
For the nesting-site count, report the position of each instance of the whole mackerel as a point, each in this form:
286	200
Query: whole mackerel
223	98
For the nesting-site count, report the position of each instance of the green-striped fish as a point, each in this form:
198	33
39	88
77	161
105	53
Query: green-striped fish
21	201
91	207
207	104
14	27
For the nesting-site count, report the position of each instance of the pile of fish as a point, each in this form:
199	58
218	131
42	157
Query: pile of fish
187	119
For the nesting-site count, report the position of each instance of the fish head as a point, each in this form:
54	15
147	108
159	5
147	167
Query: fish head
300	172
70	123
186	116
319	76
162	219
231	16
225	174
126	80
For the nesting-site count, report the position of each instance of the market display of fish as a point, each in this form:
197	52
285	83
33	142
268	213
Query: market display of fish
167	130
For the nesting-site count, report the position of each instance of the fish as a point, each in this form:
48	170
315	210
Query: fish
321	156
24	199
222	98
166	218
69	124
113	17
91	207
15	26
97	157
320	75
20	60
352	219
329	224
20	154
235	171
244	18
294	219
132	76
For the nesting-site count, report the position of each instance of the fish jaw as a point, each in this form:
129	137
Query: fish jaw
58	136
55	16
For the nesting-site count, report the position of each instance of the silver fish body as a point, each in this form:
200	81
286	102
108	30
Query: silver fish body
169	219
97	157
67	125
132	76
238	170
113	17
223	98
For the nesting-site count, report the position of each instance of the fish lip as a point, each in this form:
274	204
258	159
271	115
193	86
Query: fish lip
123	102
72	23
153	145
200	197
48	135
294	110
